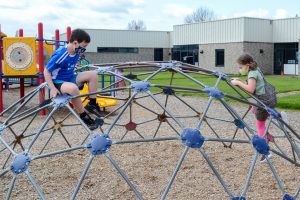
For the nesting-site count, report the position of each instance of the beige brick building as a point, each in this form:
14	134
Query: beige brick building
214	45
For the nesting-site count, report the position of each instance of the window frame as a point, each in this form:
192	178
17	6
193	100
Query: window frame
217	51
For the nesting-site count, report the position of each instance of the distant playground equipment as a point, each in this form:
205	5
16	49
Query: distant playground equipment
20	52
19	56
25	57
21	158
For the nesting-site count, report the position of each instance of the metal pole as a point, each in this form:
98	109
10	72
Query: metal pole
245	188
121	112
41	64
103	80
41	129
68	34
164	195
22	90
166	110
147	140
136	192
275	175
205	112
11	186
86	168
20	107
57	39
216	172
35	185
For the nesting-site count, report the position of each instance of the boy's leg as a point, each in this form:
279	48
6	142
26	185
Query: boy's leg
91	77
72	89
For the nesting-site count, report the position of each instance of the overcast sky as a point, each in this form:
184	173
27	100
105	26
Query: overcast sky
115	14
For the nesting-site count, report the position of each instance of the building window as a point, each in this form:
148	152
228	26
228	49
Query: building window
219	57
186	53
117	50
286	58
158	54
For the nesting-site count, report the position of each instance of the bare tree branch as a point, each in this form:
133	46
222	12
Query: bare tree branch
137	25
202	14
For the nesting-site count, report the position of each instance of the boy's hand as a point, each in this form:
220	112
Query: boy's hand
54	92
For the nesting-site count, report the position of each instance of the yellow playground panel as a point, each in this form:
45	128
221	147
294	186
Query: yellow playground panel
20	55
102	102
48	51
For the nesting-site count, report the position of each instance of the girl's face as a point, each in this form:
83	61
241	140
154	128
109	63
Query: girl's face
244	69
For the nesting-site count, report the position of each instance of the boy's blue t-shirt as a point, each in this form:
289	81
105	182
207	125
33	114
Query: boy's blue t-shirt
62	65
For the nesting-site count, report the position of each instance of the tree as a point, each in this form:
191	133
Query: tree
202	14
137	25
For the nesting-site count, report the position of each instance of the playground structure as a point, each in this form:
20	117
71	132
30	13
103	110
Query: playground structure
22	148
33	70
24	57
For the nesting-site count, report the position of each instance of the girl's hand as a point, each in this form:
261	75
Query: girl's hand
235	81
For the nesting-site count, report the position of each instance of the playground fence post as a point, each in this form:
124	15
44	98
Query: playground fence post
22	87
41	63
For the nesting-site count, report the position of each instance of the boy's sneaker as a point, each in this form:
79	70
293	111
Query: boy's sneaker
91	124
94	109
264	158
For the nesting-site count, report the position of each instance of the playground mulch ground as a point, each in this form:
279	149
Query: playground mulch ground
150	165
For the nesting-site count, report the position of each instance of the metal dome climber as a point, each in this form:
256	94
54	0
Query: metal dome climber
19	149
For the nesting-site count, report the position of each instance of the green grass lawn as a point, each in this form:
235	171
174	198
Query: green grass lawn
283	84
289	102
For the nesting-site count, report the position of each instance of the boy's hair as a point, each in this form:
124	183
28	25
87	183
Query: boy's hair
80	35
246	59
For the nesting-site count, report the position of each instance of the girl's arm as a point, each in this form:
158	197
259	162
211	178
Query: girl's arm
249	87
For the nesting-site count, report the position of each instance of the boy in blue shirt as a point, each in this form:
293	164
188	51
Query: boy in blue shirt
59	74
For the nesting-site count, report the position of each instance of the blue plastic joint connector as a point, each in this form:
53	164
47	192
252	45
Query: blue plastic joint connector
168	91
141	86
61	100
20	163
214	92
239	123
288	197
261	145
192	138
222	75
273	113
238	198
99	144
